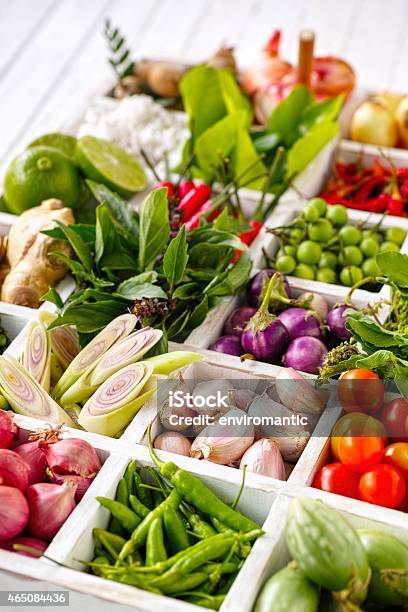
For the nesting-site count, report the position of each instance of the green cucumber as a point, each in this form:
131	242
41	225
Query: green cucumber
288	591
385	553
327	549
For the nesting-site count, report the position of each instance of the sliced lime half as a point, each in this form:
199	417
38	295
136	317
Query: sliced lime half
107	163
65	143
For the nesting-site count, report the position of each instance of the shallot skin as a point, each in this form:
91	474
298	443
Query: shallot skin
8	429
72	456
14	512
173	442
35	459
50	505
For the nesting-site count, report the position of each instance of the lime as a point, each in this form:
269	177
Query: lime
107	163
308	252
388	246
370	267
350	235
337	215
327	260
319	204
350	275
351	256
321	231
304	271
285	264
326	275
37	174
395	234
63	142
369	246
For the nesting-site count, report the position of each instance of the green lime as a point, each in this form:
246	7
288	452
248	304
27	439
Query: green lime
351	256
369	233
326	275
285	264
321	231
388	246
320	205
63	142
327	260
370	267
395	234
304	271
350	275
369	246
296	235
308	252
103	161
311	213
350	235
37	174
337	215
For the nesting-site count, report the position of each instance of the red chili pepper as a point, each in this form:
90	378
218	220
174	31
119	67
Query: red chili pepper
170	187
184	187
395	207
402	173
194	221
248	237
193	200
236	256
372	184
404	190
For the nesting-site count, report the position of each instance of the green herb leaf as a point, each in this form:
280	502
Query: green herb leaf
187	291
233	97
80	248
54	297
85	231
120	209
154	227
175	259
217	142
90	318
106	240
395	267
307	147
244	157
317	112
132	290
285	117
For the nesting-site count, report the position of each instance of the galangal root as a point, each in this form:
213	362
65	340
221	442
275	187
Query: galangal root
32	269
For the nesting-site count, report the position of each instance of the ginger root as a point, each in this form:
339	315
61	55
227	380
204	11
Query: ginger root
32	270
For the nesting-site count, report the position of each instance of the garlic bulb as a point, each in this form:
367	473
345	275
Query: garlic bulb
166	412
275	418
291	447
297	394
264	457
226	440
211	392
241	398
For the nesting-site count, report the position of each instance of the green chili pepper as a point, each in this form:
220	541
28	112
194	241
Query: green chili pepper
143	494
98	564
228	583
196	493
211	602
138	507
116	528
128	476
128	519
155	548
220	527
111	542
157	497
200	527
100	552
139	535
175	530
185	583
122	492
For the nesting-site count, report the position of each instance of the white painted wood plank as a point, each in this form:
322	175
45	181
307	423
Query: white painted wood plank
19	23
38	69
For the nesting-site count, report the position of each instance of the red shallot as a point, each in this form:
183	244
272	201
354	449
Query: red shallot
14	471
14	512
82	484
8	429
35	459
173	442
34	543
50	505
72	456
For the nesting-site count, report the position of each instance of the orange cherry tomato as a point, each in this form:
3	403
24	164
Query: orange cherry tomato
384	485
356	424
361	391
397	455
360	454
337	478
394	416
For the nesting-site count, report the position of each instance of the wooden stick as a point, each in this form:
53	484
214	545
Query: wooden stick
305	60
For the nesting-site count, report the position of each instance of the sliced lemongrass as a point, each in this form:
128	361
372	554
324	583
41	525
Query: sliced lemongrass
168	362
123	353
36	357
115	403
26	396
64	345
116	330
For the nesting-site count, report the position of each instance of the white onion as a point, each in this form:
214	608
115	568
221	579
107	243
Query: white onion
374	124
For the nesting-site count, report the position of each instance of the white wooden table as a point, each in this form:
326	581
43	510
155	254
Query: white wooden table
53	55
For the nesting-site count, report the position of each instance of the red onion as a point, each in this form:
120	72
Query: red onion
173	442
14	512
72	456
25	541
14	471
50	506
237	321
35	459
80	482
305	354
8	429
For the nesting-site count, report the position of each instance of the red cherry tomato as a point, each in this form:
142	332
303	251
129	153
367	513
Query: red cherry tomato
360	454
395	419
361	391
397	455
384	485
356	424
336	478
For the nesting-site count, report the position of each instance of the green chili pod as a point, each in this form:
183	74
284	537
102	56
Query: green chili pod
175	530
138	507
211	602
128	475
116	528
128	519
143	494
101	552
111	542
185	583
122	492
155	548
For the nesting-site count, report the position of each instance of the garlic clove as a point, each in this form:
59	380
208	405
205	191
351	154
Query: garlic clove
264	457
291	447
297	394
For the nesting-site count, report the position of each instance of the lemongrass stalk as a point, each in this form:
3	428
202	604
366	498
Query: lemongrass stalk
36	357
115	403
116	330
26	396
64	345
73	412
168	362
123	353
46	318
56	370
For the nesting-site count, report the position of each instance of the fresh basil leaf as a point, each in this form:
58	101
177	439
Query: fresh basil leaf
54	297
395	267
120	209
106	238
317	112
132	290
150	276
74	266
154	227
247	164
186	291
198	314
118	261
209	255
217	142
211	235
80	248
379	359
307	147
86	232
285	117
175	259
178	322
266	142
234	98
235	279
90	318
